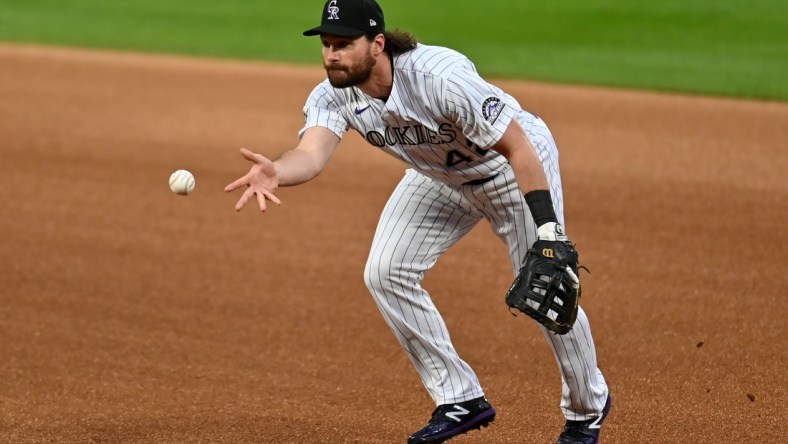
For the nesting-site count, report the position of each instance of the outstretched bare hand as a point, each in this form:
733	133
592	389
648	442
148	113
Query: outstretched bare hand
261	181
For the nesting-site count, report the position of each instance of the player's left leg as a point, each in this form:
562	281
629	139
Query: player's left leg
585	391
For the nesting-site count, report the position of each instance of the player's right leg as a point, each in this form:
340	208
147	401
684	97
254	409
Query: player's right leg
421	220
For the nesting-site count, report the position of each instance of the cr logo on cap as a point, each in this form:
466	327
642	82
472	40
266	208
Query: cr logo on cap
333	10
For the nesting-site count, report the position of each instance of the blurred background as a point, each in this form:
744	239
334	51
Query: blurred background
718	47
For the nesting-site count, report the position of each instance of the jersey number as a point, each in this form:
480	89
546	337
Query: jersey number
455	157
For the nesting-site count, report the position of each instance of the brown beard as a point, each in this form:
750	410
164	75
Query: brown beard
355	74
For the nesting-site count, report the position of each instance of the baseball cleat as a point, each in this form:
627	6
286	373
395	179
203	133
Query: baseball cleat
450	420
585	432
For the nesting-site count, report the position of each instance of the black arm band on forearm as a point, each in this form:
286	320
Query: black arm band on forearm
541	205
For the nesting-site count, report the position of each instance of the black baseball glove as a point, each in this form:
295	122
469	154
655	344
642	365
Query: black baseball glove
547	287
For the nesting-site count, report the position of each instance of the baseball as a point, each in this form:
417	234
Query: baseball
182	182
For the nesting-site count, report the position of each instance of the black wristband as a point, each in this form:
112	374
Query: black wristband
541	205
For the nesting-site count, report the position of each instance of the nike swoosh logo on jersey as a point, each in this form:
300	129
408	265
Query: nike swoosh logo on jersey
361	110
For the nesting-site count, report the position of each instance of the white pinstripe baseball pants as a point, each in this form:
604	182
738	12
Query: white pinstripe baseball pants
421	220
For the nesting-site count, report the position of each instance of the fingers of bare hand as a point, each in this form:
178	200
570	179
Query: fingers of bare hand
272	197
248	155
235	185
242	201
261	201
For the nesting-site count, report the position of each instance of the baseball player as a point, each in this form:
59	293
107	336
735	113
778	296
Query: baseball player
473	154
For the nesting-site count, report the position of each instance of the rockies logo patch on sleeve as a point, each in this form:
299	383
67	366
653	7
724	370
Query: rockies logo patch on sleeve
491	109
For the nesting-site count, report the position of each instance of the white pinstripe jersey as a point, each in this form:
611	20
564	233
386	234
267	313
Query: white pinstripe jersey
441	117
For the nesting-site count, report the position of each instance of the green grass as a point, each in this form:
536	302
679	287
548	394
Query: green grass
722	47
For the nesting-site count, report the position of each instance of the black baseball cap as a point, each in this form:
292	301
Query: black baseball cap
350	18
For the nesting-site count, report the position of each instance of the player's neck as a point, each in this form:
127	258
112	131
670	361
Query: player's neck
380	82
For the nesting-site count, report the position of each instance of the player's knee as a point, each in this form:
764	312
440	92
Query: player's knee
384	273
377	274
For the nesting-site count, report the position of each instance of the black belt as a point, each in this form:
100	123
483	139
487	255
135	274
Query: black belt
481	181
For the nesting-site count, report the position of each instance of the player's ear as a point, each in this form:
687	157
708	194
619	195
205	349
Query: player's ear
378	44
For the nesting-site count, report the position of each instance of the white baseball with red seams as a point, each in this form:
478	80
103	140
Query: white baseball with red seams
182	182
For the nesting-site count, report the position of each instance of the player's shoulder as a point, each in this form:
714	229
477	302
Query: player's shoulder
432	60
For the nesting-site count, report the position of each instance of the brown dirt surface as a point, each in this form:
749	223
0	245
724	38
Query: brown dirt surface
132	315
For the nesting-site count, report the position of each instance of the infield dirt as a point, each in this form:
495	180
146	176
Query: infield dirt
132	315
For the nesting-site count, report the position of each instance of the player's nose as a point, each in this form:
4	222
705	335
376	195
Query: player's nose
331	56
